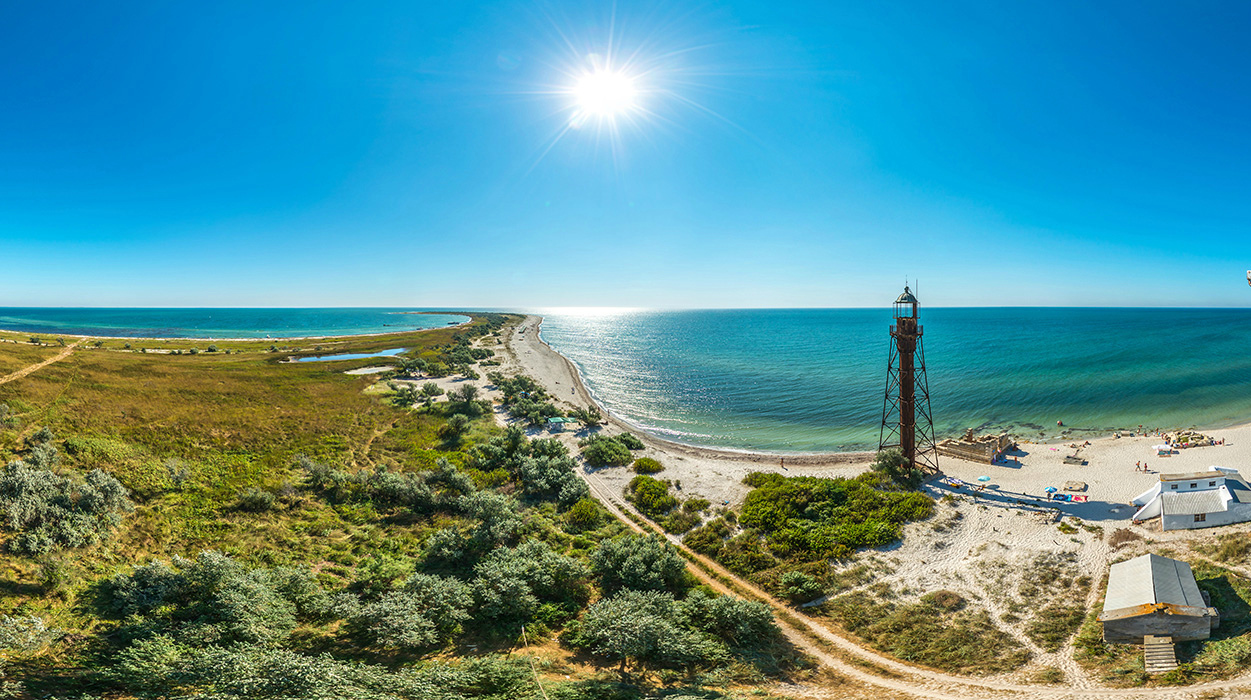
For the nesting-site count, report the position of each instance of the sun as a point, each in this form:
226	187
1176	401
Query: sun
604	94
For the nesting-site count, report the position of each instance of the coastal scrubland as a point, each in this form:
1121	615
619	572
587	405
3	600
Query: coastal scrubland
230	524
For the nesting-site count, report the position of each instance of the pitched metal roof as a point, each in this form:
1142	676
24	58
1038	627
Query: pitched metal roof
1151	579
1194	502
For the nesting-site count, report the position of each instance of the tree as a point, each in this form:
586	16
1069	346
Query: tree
467	393
590	417
552	478
425	611
455	427
215	599
892	464
645	626
638	563
405	394
429	391
743	623
510	584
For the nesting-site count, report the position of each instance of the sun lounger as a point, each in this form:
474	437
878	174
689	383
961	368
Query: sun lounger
1074	459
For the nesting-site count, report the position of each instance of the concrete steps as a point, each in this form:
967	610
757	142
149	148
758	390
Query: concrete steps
1158	654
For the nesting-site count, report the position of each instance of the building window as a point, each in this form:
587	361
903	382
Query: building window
1174	487
1211	483
1201	517
1193	485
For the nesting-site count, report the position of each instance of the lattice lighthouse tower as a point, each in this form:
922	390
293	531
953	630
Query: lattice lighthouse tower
906	419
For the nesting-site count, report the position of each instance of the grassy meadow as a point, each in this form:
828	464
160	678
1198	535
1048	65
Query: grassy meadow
357	546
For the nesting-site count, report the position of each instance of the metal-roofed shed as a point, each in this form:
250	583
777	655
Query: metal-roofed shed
1155	596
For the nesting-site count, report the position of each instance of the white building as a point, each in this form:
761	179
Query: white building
1218	496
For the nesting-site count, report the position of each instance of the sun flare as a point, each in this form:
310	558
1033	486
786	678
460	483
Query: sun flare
605	93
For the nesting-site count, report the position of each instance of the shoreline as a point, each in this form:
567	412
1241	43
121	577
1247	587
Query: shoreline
244	340
588	398
757	455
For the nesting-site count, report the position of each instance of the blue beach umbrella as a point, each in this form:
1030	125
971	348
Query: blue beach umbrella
983	478
1050	489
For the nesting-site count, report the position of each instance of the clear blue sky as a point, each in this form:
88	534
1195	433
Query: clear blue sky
792	154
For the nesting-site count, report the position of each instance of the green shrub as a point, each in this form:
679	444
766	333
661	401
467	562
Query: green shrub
510	585
680	521
425	611
805	518
708	539
543	467
630	441
25	633
892	464
379	575
254	500
214	599
744	554
647	465
650	496
585	514
163	667
603	451
799	587
55	576
639	563
645	626
47	511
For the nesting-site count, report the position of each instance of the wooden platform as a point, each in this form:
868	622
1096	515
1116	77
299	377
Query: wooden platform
1158	654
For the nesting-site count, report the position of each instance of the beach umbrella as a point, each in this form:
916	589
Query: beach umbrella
1050	489
983	478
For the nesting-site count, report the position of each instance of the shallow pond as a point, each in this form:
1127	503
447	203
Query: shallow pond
352	355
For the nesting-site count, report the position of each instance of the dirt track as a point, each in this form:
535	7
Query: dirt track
69	350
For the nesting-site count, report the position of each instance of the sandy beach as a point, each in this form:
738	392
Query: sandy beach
1110	470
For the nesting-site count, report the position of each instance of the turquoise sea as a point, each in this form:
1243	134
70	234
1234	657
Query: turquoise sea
813	380
219	323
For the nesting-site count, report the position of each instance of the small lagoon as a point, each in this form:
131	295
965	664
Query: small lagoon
352	355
